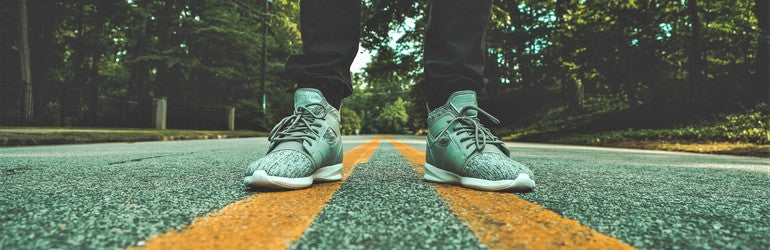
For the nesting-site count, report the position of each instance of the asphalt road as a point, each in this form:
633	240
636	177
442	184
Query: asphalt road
117	195
386	205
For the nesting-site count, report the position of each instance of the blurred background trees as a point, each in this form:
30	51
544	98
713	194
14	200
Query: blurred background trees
552	66
573	65
205	53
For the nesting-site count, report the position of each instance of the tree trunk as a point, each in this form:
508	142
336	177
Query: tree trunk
26	70
140	93
493	85
72	101
761	11
574	85
630	88
96	55
166	84
139	90
263	77
694	61
574	88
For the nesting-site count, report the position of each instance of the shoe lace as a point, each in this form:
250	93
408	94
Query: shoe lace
299	126
471	127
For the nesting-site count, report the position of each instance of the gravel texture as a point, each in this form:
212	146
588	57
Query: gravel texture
385	205
652	199
116	195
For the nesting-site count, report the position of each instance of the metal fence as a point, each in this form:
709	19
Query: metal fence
189	116
57	105
250	119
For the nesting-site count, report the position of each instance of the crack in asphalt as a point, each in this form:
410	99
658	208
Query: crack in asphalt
18	170
159	156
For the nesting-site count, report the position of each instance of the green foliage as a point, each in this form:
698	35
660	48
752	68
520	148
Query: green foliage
750	127
206	53
393	117
350	121
381	86
564	55
626	53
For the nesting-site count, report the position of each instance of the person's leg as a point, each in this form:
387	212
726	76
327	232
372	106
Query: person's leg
306	146
460	148
454	47
330	32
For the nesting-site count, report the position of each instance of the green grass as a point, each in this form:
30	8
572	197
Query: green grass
749	127
19	136
745	133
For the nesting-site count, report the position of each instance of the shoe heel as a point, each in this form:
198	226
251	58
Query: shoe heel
330	173
435	174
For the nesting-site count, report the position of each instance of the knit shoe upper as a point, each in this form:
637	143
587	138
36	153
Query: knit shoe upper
305	141
459	143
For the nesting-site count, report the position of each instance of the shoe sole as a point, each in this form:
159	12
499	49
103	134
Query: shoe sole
260	178
522	182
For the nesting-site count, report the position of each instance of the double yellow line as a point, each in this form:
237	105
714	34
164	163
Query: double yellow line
505	221
268	220
274	220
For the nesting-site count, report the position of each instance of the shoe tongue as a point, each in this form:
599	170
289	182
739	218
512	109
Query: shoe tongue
305	96
462	99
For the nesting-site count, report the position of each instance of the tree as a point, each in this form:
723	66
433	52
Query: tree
695	55
350	121
761	10
543	58
393	118
26	72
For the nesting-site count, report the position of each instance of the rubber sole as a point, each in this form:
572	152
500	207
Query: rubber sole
260	178
522	183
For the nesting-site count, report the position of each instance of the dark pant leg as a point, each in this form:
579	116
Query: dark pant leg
330	31
454	47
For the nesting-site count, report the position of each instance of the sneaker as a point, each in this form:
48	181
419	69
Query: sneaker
304	147
462	151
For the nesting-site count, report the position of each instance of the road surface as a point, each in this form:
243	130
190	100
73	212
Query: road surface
164	194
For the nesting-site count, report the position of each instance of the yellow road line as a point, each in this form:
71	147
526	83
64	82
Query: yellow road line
267	220
505	221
